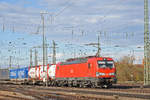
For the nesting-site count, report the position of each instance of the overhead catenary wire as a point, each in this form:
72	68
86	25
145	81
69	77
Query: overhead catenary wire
61	11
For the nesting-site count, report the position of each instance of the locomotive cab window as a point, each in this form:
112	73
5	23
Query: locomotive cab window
105	64
110	64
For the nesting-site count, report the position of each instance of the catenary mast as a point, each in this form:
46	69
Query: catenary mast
146	45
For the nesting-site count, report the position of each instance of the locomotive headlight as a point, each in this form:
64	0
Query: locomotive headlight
111	73
99	74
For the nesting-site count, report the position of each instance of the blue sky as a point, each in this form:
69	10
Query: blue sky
119	21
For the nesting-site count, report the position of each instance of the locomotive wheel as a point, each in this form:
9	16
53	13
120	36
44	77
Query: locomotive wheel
110	85
80	85
93	85
54	84
84	86
105	86
69	85
59	84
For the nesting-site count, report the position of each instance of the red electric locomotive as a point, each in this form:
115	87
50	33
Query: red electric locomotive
86	72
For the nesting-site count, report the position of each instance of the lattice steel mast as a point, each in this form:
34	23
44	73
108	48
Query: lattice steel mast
146	45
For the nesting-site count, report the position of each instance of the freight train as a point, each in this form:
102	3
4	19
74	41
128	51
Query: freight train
89	71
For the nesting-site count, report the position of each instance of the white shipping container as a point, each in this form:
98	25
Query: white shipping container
32	73
36	73
52	71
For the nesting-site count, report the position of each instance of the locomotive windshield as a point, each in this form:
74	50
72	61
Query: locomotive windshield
105	64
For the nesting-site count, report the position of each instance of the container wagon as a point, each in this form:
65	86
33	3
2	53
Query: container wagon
39	76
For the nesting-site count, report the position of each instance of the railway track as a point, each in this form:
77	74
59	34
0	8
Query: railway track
102	92
28	92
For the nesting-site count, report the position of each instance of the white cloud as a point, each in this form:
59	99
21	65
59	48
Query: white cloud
138	21
92	20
